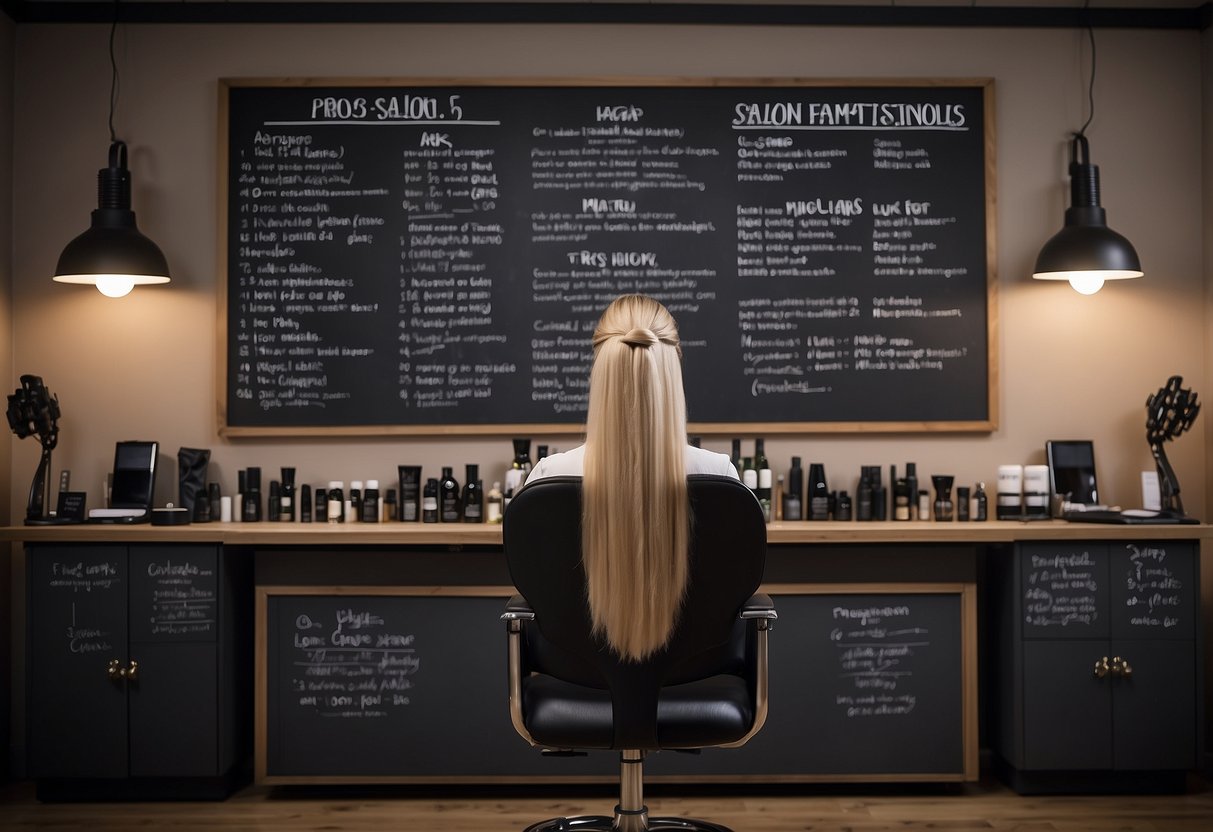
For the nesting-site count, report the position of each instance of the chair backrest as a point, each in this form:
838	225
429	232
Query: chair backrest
542	536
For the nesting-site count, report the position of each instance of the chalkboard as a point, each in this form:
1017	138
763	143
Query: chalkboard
361	683
430	257
1142	589
174	593
1065	590
1153	590
364	683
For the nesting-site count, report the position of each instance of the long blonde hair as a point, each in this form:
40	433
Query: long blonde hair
635	516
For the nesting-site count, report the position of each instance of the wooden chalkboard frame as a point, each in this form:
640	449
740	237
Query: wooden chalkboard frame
987	425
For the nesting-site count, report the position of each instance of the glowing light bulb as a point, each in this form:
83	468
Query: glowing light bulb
1086	283
115	285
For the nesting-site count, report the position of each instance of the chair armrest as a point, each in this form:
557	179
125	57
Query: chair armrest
517	609
761	610
759	606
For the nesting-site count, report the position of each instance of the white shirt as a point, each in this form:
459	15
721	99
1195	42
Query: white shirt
572	464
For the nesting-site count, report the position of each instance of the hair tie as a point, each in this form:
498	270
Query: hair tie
640	337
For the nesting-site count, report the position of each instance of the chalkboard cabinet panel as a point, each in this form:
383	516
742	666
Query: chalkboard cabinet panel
367	684
132	660
77	709
1097	658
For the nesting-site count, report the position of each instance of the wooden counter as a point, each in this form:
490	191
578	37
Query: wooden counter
407	534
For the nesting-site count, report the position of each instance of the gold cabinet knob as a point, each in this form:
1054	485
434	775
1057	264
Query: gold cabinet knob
132	671
114	670
1121	667
1101	668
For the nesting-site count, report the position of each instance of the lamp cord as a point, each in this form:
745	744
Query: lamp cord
113	74
1082	131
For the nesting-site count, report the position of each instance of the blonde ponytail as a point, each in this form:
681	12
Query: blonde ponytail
635	516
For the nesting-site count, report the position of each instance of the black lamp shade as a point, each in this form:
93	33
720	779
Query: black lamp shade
112	253
112	245
1086	244
1085	247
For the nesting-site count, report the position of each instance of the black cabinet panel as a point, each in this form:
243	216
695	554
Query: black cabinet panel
164	617
77	712
1154	709
173	711
1067	714
1133	608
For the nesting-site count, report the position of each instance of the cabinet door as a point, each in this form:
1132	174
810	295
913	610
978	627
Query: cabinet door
77	626
1067	712
174	603
173	711
1154	709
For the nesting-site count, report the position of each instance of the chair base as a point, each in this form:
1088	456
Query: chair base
631	822
631	813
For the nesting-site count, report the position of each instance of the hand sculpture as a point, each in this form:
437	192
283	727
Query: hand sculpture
33	411
1169	413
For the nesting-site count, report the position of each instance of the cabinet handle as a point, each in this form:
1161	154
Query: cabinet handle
118	673
1121	667
1101	668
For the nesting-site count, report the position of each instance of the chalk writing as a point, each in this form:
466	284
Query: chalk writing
351	665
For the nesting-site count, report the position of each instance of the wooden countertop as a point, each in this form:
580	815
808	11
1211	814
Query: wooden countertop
403	534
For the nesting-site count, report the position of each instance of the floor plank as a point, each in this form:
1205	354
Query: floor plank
981	806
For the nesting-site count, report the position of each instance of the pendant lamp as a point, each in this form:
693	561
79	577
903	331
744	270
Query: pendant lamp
112	254
1086	252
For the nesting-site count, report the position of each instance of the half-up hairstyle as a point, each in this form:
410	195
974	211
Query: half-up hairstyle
635	515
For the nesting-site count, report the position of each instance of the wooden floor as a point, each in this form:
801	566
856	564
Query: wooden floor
987	805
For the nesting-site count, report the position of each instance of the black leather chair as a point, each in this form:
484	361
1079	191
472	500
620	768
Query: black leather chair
706	687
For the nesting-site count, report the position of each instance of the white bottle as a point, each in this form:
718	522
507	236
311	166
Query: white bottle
495	505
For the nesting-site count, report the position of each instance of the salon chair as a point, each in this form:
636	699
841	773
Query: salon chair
569	693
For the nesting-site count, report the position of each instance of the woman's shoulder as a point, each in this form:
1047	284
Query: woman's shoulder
701	461
569	463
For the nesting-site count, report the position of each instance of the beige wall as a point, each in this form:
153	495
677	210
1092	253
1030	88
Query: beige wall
1069	366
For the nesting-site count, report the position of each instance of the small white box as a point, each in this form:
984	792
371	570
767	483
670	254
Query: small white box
1151	497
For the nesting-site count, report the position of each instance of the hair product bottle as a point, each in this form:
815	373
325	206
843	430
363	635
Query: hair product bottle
473	496
981	507
764	478
448	497
429	501
286	498
370	502
793	495
305	503
495	506
819	493
252	496
410	492
336	503
912	490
